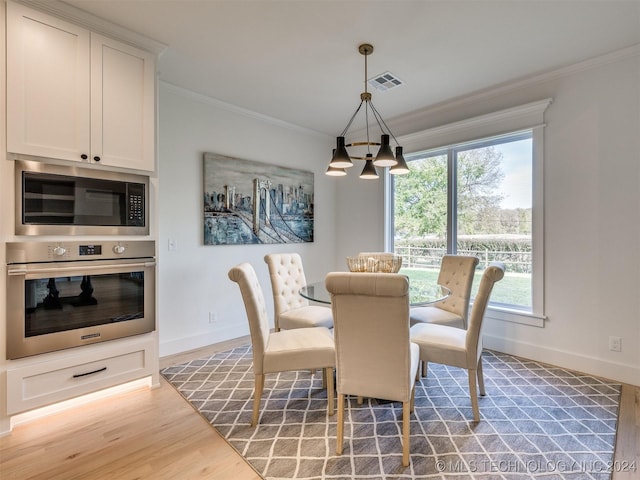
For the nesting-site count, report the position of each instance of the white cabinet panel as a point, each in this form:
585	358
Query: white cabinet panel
122	102
47	84
77	95
35	382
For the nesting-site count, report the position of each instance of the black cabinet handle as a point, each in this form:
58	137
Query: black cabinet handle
78	375
97	159
83	156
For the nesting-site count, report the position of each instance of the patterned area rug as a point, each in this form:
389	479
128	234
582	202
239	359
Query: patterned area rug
537	422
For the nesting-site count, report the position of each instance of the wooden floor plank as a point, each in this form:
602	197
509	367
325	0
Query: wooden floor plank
627	455
142	434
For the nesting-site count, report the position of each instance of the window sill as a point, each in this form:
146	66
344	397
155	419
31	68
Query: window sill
515	316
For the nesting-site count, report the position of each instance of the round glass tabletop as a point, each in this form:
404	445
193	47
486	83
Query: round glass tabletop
419	293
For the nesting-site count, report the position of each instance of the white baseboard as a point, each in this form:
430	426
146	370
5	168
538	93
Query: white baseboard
202	340
581	363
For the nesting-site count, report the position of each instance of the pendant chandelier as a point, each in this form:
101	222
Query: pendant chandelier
384	157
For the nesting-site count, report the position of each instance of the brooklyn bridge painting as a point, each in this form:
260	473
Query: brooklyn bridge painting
251	202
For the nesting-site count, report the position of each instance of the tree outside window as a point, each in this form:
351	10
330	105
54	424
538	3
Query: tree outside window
472	199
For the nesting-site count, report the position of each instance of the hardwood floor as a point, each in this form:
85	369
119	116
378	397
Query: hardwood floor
141	434
154	434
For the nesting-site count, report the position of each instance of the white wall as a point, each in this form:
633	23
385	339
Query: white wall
193	279
592	213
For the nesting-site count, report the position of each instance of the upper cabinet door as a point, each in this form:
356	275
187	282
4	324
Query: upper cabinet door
122	104
47	85
75	95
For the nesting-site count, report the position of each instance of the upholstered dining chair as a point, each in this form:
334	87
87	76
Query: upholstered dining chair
291	310
299	349
456	273
374	356
457	347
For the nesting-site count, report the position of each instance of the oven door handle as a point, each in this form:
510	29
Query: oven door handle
75	268
17	271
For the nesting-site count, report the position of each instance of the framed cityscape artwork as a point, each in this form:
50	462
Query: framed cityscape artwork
248	202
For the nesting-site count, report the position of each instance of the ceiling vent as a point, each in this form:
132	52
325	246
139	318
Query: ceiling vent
385	81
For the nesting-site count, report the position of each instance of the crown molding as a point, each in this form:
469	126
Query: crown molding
214	102
530	115
507	87
96	24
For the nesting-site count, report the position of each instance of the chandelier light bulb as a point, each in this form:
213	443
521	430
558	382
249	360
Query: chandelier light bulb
385	157
369	171
401	167
341	158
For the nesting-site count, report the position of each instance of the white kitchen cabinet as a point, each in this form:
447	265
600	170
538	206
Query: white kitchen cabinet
122	104
76	95
34	382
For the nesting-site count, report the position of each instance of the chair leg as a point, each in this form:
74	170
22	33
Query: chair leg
406	422
340	424
257	395
413	399
328	375
360	400
473	393
481	377
424	363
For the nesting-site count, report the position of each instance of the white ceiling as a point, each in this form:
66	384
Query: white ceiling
298	60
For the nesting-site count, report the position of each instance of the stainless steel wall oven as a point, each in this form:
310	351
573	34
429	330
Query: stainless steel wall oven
66	294
69	200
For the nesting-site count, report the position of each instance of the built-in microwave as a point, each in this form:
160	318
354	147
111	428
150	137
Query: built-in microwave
68	200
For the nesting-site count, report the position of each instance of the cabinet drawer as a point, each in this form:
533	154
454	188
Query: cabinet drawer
41	384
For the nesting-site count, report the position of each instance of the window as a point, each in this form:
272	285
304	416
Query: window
477	197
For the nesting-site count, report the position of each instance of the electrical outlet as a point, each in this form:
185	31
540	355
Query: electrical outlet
213	318
615	344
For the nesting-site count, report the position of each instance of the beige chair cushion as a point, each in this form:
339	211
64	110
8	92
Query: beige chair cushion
305	317
312	347
292	310
432	314
441	344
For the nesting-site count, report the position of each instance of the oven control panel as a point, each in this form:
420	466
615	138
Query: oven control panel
84	250
63	251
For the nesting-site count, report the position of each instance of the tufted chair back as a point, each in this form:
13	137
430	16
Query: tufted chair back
456	273
493	273
287	278
245	276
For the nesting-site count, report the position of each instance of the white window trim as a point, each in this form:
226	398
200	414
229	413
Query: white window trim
528	116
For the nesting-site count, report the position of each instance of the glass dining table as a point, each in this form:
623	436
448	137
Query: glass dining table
420	294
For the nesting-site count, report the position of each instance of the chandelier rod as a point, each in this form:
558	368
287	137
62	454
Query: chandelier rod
344	132
365	51
380	119
365	97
